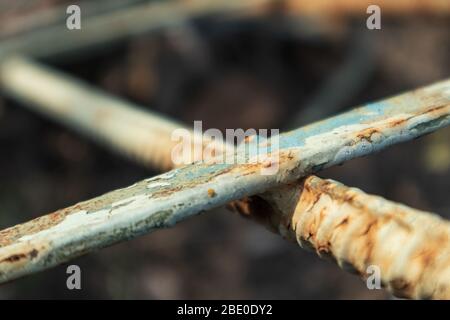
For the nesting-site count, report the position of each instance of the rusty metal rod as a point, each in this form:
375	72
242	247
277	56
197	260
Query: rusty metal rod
410	248
166	199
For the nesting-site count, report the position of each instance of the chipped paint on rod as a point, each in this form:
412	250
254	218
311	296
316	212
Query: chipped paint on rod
358	231
166	199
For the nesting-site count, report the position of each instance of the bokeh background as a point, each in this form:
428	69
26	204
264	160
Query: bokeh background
280	69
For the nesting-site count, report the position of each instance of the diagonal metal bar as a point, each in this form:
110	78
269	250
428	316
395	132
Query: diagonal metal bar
166	199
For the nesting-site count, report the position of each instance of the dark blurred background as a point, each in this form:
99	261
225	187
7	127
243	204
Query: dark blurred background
273	70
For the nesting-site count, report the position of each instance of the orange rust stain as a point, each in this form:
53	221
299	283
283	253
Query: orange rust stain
14	258
427	256
396	123
248	139
211	193
436	108
343	223
398	220
10	235
370	242
19	256
433	109
370	226
366	134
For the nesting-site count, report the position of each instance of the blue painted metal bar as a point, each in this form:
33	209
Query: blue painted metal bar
166	199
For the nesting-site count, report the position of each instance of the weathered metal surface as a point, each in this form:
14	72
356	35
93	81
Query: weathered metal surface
411	248
166	199
322	214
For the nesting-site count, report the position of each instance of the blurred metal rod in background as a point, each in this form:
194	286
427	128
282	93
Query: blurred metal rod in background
88	110
359	7
100	30
103	29
164	200
13	23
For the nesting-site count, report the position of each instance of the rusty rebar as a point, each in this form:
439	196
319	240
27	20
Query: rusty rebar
411	248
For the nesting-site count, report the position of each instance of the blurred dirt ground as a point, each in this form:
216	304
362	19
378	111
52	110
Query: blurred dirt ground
230	73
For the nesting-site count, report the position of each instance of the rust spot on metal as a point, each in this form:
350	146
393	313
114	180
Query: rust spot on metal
368	228
33	253
211	193
367	134
343	223
10	235
248	139
14	258
19	256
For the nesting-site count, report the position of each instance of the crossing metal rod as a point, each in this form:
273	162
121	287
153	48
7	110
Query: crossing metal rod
408	249
166	199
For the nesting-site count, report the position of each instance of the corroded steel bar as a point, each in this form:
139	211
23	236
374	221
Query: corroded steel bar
411	248
166	199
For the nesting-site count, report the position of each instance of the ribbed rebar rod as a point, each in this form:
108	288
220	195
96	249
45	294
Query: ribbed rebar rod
360	232
166	199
